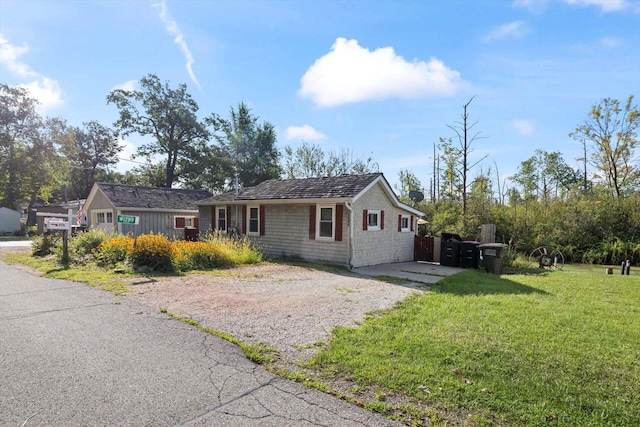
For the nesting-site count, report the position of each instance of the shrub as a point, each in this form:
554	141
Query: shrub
83	245
44	245
153	251
115	250
238	251
29	230
200	256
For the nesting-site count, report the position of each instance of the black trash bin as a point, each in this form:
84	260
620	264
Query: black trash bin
450	250
471	254
492	256
191	234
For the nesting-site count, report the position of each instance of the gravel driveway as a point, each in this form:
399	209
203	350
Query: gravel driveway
290	308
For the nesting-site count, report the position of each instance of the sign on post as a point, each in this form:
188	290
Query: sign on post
128	219
57	225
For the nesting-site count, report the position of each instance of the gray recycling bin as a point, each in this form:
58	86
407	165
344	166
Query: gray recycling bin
492	256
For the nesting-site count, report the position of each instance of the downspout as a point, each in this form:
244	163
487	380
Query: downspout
348	206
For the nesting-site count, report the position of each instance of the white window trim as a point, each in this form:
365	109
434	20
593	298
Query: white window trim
186	217
373	227
217	219
257	208
95	212
333	222
408	228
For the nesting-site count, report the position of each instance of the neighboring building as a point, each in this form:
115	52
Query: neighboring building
40	208
352	220
9	221
166	211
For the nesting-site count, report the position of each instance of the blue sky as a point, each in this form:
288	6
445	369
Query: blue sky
381	78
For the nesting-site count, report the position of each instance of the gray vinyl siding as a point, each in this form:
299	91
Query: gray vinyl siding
99	202
206	221
286	228
287	233
154	222
372	247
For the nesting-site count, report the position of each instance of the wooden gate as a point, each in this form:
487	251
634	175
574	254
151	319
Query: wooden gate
423	249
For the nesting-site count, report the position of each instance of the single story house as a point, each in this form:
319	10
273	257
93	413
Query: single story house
159	210
351	220
9	221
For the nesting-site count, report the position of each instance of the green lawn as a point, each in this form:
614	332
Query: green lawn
12	238
557	348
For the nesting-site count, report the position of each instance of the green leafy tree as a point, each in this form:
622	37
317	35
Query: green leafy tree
167	115
20	130
211	170
149	175
310	160
30	166
307	161
612	129
90	150
249	147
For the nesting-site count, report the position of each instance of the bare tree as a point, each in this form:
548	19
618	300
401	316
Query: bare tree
458	156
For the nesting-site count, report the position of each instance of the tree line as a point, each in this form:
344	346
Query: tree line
46	159
591	211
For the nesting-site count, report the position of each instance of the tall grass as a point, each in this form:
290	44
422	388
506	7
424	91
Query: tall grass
559	348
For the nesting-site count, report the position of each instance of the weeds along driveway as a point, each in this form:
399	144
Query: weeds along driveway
290	308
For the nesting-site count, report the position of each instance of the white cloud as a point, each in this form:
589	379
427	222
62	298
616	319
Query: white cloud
512	30
350	73
535	6
522	127
305	133
172	28
610	42
43	89
129	85
10	58
46	91
538	6
605	5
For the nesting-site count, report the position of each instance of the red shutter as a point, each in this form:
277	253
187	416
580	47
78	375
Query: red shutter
180	222
365	219
196	223
399	223
244	219
381	220
312	222
339	211
261	226
411	223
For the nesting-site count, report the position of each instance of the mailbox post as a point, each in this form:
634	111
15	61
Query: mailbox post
61	224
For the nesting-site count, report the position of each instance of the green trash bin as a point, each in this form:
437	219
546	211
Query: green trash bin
492	255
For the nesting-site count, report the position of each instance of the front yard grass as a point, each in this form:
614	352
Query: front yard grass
88	273
557	348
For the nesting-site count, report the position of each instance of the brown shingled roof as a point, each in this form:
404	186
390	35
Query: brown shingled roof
335	187
134	196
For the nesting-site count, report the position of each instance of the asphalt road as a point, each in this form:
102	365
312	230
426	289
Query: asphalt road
71	355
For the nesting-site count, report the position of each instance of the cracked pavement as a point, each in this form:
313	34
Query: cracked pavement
73	355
